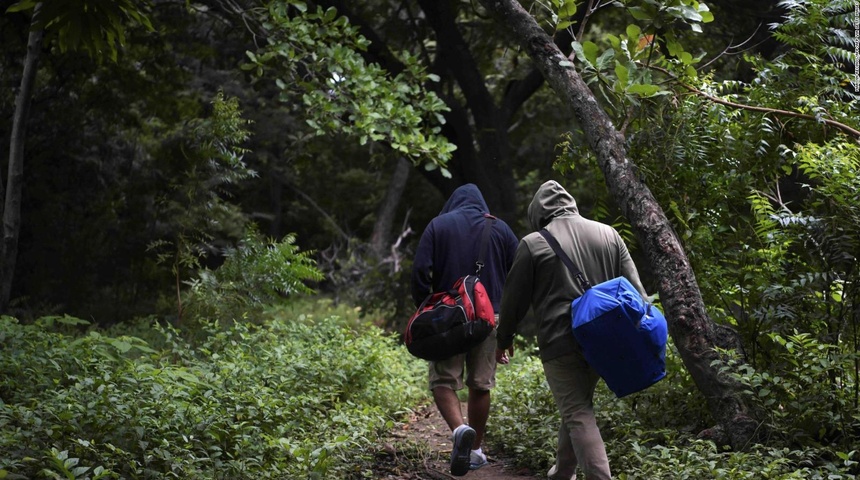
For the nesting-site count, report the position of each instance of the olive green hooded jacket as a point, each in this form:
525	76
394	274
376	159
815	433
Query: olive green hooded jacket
539	279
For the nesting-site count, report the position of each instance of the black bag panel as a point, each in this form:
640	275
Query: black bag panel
439	320
442	345
446	342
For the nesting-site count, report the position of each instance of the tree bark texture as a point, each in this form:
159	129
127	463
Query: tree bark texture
388	209
692	330
15	176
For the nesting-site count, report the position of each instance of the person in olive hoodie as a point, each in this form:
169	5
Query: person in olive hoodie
539	279
448	250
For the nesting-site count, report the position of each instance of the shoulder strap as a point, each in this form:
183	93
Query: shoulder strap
577	274
489	220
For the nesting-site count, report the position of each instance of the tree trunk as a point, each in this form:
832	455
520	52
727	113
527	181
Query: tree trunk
693	332
15	178
387	210
476	124
483	144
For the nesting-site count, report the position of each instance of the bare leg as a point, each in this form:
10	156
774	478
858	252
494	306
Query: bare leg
449	406
479	411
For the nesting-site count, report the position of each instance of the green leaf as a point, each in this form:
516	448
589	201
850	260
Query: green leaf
621	73
580	52
645	90
686	58
603	61
330	14
674	47
568	9
589	51
22	6
614	41
633	32
690	14
79	471
563	25
121	345
640	13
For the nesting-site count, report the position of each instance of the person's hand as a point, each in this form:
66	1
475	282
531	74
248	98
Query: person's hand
504	356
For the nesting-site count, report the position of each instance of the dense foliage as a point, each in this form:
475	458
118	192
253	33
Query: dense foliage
151	177
760	181
304	394
648	434
316	55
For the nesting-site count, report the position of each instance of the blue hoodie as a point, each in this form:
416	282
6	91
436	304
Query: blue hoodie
450	244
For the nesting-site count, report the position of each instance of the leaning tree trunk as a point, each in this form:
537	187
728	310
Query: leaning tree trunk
693	332
15	178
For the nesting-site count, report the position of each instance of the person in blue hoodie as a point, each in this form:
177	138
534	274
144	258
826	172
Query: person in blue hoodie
448	250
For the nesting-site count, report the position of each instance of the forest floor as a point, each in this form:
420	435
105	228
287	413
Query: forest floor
420	449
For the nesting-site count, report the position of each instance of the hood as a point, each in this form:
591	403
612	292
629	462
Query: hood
550	201
466	196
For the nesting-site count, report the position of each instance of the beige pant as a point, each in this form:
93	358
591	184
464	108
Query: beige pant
572	383
480	364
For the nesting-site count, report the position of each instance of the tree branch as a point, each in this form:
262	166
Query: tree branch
458	58
788	113
316	207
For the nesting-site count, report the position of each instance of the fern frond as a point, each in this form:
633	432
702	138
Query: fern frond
841	37
836	7
841	55
767	220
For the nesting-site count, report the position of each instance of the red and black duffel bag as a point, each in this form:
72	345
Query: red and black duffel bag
451	322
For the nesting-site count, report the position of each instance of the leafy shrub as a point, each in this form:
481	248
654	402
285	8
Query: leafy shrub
256	273
524	420
294	397
688	458
651	434
806	396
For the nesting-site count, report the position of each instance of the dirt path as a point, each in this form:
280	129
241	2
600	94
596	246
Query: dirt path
421	450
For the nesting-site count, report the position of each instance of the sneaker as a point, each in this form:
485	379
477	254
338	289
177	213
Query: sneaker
477	460
464	435
552	474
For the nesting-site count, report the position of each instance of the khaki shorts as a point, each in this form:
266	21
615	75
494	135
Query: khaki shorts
480	363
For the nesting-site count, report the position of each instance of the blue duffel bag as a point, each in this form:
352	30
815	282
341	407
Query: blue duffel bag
622	337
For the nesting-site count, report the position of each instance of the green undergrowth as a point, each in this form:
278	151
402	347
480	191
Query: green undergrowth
296	395
651	434
314	391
